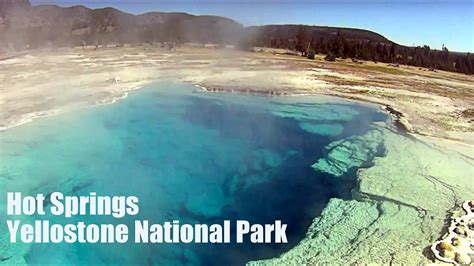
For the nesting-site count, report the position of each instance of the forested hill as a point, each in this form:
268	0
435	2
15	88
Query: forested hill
23	26
357	44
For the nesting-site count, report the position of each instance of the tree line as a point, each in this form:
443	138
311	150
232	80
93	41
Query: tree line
338	46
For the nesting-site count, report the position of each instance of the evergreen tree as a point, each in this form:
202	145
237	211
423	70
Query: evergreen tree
301	40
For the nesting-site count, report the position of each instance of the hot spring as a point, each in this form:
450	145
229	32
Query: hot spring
191	156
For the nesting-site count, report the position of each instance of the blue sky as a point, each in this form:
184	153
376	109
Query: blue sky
408	22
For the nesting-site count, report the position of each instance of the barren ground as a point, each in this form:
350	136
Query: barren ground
437	103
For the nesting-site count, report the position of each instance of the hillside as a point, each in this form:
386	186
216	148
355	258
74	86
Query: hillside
29	26
278	34
23	26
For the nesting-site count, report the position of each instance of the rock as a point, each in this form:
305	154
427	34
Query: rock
457	241
446	246
349	153
462	258
448	254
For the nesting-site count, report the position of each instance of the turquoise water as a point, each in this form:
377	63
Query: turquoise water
193	157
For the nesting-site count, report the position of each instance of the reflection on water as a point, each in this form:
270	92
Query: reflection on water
193	157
